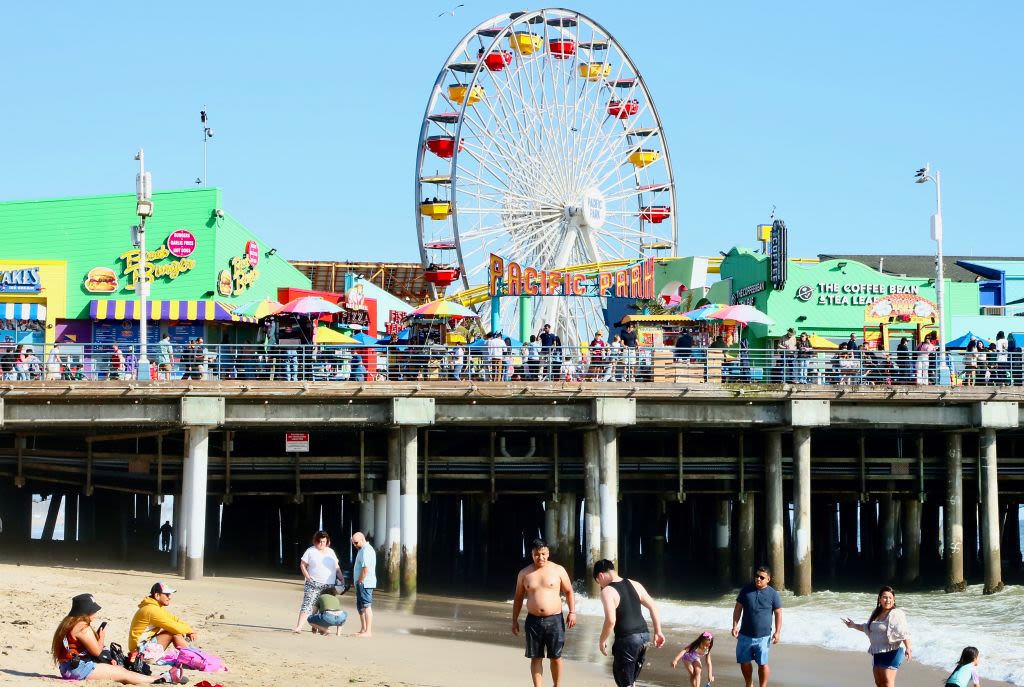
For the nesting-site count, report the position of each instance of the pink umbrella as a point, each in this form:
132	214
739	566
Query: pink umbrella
310	305
745	314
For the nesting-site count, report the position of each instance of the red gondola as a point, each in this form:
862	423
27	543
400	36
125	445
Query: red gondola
441	275
443	146
562	48
497	60
623	109
656	214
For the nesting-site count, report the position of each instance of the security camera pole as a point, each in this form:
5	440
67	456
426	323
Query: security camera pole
207	135
144	209
923	176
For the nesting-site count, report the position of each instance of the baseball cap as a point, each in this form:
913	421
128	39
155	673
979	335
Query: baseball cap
161	588
84	604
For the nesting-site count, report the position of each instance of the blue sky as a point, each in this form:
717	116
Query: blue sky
821	109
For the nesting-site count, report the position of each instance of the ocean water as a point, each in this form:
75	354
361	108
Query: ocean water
941	624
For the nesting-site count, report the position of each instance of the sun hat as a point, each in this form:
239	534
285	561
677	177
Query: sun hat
84	604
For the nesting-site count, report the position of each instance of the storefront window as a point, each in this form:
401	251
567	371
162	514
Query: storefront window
22	331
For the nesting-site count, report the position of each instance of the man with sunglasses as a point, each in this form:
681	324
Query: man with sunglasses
757	604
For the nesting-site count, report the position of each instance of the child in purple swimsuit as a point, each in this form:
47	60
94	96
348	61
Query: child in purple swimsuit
691	656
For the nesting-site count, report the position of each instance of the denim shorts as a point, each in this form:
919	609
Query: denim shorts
752	649
81	671
890	660
328	619
364	597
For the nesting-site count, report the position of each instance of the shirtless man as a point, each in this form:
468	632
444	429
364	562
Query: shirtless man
542	585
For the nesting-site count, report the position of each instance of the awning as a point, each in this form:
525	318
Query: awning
189	311
655	319
22	311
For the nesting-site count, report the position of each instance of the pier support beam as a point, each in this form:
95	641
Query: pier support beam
746	526
888	514
410	509
723	550
775	509
990	512
591	509
567	532
606	440
911	541
393	539
802	510
380	535
953	514
197	442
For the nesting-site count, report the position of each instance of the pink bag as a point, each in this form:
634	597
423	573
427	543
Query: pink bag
197	659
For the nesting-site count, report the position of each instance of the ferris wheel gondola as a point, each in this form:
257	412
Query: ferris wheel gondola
549	152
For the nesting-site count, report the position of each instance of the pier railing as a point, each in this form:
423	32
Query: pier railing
435	362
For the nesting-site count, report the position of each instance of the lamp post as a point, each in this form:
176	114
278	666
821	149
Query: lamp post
922	176
144	209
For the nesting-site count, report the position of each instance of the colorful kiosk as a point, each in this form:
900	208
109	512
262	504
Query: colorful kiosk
72	270
836	298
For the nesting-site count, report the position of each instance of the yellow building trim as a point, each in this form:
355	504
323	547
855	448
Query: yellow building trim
54	295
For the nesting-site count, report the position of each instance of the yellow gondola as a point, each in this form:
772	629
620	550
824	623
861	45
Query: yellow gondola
595	71
525	43
457	93
436	209
642	158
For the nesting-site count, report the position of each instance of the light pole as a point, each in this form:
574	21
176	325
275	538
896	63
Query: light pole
144	209
922	176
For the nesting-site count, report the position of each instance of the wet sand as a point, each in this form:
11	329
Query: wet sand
432	642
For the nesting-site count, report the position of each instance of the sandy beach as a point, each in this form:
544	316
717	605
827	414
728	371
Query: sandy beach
432	642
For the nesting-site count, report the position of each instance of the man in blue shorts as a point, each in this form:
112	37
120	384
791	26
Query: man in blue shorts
364	573
758	604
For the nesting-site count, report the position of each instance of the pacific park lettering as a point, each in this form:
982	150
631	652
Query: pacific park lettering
154	270
512	279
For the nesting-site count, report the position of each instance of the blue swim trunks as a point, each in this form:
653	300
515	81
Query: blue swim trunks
752	649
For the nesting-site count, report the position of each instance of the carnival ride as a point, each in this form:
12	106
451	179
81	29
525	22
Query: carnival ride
540	143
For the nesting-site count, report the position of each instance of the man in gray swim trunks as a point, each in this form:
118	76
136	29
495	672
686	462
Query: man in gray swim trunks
542	583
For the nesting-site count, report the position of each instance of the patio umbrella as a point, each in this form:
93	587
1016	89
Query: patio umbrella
962	341
703	311
821	342
442	309
364	339
744	314
326	335
258	309
309	305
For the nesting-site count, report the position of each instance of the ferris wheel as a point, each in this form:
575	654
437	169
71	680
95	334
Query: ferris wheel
541	143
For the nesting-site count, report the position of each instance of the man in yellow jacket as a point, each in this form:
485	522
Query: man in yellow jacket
153	622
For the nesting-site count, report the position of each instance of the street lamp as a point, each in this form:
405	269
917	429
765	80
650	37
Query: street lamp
922	176
144	209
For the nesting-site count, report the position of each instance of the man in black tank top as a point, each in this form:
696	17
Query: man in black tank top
622	599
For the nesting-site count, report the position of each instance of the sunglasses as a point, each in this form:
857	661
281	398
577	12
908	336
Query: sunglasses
760	577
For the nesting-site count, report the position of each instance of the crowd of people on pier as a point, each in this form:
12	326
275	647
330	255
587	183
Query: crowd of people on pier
694	356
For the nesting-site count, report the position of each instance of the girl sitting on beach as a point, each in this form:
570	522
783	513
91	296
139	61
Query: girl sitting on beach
77	649
692	654
966	672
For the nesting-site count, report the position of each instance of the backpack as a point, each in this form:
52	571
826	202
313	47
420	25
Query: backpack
197	659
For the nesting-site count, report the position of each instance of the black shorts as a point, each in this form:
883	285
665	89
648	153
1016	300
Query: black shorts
545	634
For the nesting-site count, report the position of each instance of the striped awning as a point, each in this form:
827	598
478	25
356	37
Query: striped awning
22	311
189	311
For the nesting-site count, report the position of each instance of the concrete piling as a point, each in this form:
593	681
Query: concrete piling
990	512
953	514
775	508
802	510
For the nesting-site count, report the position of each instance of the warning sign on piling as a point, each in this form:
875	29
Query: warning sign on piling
296	442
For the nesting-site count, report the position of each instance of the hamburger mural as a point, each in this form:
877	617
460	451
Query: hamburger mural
101	280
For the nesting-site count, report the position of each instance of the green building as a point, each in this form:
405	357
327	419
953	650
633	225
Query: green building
836	298
68	269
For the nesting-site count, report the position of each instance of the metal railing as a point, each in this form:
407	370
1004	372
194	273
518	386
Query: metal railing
331	363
